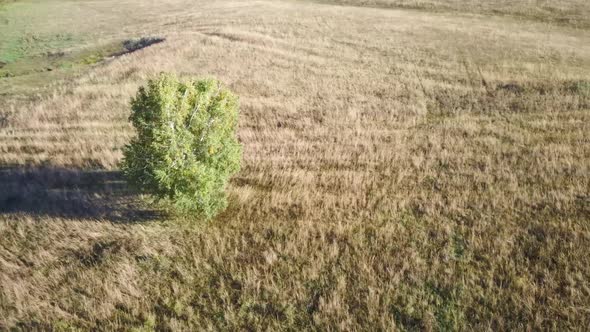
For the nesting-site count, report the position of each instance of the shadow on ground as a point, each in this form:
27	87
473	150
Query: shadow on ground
73	194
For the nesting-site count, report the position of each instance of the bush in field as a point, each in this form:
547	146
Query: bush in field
186	147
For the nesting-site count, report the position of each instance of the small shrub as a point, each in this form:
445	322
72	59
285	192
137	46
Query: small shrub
582	88
186	147
132	45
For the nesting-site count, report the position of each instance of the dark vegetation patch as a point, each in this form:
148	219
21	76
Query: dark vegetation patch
510	87
132	45
98	253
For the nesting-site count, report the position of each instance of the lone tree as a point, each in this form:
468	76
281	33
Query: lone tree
186	147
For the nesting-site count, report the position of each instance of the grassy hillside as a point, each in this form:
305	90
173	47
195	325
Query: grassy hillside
572	13
403	170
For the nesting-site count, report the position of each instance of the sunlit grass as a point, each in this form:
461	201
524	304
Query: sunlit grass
402	170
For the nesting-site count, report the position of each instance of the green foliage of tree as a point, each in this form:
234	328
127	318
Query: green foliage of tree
186	147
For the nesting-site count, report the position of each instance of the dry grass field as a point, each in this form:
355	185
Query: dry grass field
407	166
563	12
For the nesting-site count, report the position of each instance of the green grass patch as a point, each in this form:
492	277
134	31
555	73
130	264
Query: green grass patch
59	59
33	44
32	54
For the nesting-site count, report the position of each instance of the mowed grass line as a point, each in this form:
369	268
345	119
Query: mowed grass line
426	172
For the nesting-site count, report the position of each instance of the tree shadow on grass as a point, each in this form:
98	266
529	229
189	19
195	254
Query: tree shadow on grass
71	194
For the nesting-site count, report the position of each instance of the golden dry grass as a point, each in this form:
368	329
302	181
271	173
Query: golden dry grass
564	12
402	170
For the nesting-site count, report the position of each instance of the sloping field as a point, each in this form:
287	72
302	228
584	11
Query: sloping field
572	13
403	170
